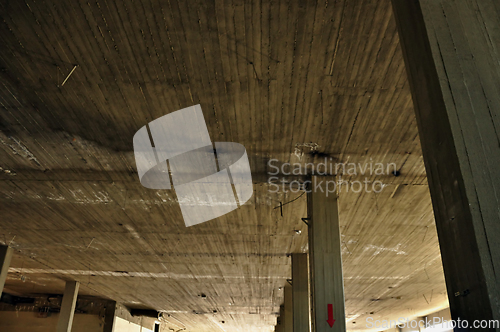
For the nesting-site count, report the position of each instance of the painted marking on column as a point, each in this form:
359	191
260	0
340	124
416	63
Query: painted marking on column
330	320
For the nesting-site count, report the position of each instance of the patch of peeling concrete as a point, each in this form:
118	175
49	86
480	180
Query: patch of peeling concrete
302	148
379	249
18	148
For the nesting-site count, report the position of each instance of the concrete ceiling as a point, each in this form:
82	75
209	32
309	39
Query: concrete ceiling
293	81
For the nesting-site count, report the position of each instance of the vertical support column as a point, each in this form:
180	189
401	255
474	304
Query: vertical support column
68	306
451	51
300	289
109	317
325	257
288	309
280	323
5	258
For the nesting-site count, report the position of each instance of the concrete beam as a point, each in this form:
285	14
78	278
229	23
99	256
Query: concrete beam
5	258
451	54
300	292
68	306
325	258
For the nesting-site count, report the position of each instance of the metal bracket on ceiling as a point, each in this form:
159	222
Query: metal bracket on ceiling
305	220
289	281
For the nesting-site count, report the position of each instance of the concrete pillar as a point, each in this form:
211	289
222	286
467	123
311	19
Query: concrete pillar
5	258
68	306
280	323
452	50
109	317
325	259
300	290
288	309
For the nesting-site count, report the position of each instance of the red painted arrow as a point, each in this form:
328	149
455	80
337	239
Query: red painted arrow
330	320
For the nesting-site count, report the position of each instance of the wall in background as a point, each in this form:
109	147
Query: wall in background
19	321
122	325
